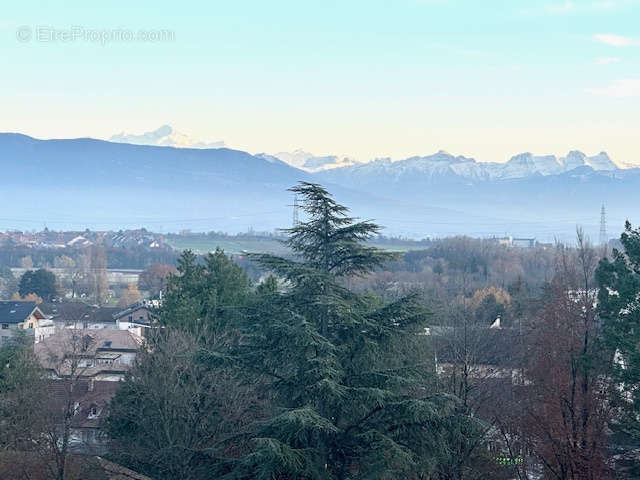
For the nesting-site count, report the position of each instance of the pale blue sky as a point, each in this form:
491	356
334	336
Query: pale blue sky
361	78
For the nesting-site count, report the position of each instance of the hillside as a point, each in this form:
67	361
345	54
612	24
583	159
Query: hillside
79	183
102	184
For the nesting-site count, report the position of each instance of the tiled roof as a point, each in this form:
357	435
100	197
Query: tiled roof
79	312
16	312
86	395
87	467
132	308
118	472
55	352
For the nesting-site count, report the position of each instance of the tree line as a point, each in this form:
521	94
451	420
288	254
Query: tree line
327	368
86	280
12	255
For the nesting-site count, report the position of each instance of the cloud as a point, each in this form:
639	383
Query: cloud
607	60
623	88
614	40
561	7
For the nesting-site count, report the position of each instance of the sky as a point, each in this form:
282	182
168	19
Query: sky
364	79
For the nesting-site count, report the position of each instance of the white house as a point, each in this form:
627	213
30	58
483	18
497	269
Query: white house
15	316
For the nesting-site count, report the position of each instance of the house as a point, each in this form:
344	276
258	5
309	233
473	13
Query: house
85	369
100	355
483	365
79	241
136	318
516	242
89	400
505	241
485	353
27	316
524	242
78	315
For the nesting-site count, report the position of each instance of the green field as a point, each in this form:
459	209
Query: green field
229	245
260	245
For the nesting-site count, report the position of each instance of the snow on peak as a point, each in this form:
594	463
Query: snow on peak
445	164
519	166
574	159
311	163
526	164
601	161
164	136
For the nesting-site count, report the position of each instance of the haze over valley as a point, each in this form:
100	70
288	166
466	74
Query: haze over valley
98	184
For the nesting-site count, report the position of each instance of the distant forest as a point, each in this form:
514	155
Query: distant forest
124	258
441	268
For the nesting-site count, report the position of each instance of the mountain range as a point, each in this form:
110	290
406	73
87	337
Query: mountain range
78	183
443	164
518	166
309	162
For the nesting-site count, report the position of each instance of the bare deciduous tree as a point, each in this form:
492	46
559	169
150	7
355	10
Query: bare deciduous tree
176	415
566	405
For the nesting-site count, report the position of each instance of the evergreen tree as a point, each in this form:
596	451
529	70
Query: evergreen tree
351	399
22	393
204	298
184	395
619	311
42	282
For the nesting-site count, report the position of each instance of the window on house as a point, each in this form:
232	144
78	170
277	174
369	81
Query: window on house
5	326
131	318
30	325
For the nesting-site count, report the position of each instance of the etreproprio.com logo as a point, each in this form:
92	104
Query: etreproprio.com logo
103	36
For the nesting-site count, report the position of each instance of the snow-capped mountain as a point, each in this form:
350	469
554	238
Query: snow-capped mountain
165	136
444	165
312	163
224	189
342	169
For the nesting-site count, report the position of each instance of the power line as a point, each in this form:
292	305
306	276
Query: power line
603	227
